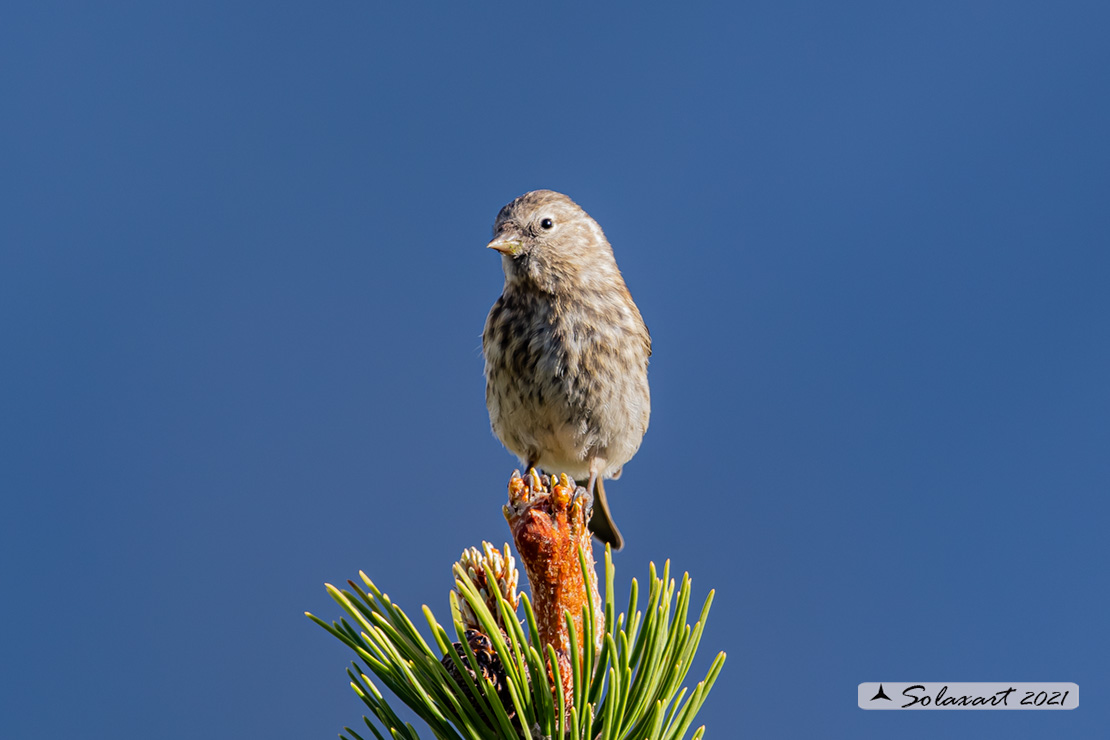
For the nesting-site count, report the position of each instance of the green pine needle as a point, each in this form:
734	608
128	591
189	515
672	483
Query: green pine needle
632	688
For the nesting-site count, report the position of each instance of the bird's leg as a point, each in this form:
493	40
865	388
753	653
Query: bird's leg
597	466
530	469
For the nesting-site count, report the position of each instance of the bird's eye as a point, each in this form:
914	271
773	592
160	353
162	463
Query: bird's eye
547	224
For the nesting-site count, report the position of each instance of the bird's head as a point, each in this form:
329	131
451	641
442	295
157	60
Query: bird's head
546	239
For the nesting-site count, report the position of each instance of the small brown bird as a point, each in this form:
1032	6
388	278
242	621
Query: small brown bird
566	349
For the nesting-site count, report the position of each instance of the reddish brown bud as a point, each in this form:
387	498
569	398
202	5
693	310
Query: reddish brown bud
549	526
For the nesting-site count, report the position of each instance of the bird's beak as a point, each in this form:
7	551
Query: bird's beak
506	244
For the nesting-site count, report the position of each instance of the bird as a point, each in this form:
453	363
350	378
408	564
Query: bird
566	349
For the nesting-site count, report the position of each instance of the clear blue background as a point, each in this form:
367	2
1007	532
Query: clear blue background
243	277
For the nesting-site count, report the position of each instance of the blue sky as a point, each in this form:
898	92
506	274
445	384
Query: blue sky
243	280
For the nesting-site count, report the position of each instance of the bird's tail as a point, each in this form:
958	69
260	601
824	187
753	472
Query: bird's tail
601	523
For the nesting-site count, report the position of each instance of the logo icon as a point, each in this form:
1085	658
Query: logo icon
881	695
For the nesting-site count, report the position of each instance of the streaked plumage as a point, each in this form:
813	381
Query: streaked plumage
566	348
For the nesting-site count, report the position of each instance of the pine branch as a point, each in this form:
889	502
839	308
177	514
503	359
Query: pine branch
571	668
